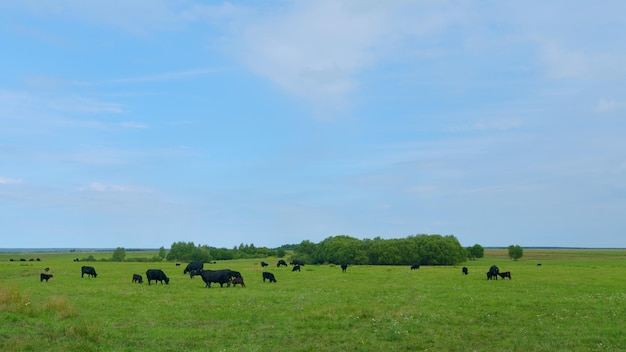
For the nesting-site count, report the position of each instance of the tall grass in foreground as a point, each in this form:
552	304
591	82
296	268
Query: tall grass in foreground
574	301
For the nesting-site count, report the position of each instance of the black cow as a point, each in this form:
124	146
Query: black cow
193	266
464	270
137	278
344	267
177	264
493	272
415	266
505	274
46	269
296	268
220	276
157	275
297	262
269	276
264	264
89	270
44	277
281	262
76	260
238	280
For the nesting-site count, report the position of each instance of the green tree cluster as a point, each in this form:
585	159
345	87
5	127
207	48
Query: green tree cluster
515	252
421	249
189	251
476	251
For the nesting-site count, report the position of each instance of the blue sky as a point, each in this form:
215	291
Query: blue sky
143	123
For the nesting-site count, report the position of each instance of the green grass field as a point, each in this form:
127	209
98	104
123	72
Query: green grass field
574	301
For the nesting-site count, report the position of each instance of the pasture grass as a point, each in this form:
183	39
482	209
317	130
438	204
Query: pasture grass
574	301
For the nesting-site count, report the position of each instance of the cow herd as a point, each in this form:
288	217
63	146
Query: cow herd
228	277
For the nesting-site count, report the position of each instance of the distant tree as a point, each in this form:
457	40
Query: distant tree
119	254
515	252
280	253
200	254
162	253
475	251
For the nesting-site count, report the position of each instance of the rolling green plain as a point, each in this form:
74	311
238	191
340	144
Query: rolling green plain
574	301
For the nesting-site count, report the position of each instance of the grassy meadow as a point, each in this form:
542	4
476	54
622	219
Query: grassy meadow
574	301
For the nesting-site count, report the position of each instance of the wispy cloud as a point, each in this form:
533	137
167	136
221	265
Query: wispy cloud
101	187
606	105
8	181
85	105
316	50
133	125
167	76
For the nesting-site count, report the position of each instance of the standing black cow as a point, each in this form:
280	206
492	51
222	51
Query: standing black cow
296	268
344	267
44	277
269	276
415	266
297	262
157	275
137	278
220	276
89	270
264	264
193	266
493	272
281	262
464	270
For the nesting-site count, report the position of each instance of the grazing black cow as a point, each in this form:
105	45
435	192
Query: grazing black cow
220	276
297	262
76	260
493	272
177	264
157	275
464	270
89	270
44	277
264	264
344	267
11	260
137	278
296	268
238	280
22	260
415	266
505	274
538	264
281	262
38	259
269	276
46	269
193	266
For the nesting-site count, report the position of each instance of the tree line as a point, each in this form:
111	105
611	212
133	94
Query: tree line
420	249
416	249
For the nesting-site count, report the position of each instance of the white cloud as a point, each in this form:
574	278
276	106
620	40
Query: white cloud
85	105
316	49
8	181
101	187
605	105
134	125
